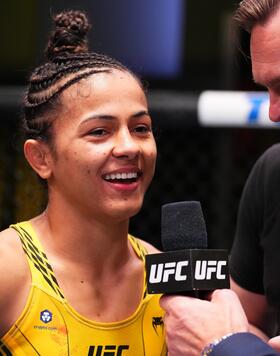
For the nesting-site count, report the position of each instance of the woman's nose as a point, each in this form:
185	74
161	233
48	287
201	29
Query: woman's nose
126	146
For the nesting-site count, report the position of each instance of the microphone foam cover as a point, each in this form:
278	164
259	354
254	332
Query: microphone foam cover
183	226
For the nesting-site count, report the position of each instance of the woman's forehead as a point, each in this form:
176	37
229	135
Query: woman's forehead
106	93
104	85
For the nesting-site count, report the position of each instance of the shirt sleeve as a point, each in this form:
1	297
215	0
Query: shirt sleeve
246	256
243	344
254	256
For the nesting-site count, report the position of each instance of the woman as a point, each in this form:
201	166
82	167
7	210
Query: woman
73	280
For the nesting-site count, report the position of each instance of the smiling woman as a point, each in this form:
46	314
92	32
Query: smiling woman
77	274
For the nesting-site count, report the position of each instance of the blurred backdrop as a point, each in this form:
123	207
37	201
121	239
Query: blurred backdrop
181	48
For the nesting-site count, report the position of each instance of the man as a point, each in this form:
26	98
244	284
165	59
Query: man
255	252
255	256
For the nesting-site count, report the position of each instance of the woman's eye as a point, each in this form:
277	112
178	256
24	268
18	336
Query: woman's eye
142	129
98	132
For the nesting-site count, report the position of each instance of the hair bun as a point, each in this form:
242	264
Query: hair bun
70	34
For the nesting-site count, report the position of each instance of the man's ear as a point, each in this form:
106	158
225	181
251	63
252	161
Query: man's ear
39	157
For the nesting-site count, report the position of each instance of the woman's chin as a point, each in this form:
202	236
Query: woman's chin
125	211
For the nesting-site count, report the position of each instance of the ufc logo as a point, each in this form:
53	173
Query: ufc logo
108	350
162	271
205	270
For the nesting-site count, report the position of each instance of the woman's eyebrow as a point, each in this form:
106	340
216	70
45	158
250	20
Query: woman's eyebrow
112	117
98	117
141	113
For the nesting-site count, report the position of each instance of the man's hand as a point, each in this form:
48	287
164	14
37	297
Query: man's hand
192	323
275	343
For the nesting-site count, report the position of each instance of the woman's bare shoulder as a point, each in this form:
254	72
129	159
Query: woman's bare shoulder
9	243
13	266
14	279
149	247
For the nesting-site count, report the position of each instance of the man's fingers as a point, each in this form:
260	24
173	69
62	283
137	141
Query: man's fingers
167	301
275	343
225	296
219	296
228	301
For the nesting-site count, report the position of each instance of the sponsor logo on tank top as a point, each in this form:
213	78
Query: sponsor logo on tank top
107	350
157	323
46	318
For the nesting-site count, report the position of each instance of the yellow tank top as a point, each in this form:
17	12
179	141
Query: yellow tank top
49	326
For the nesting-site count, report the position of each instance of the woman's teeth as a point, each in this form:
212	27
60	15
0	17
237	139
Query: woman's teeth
112	176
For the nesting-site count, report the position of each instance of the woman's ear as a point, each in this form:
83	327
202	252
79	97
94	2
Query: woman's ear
39	157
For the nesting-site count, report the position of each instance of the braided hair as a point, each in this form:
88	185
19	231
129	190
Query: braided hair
68	60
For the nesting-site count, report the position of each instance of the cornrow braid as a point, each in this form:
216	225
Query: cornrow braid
53	78
68	61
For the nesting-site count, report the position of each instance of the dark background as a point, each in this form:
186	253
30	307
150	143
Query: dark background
180	48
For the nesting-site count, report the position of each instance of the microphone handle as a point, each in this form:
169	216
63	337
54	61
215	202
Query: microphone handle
200	294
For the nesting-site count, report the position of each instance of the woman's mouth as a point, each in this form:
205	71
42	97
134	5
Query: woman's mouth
122	177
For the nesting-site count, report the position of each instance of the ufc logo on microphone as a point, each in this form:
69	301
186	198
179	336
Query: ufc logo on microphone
209	269
187	270
107	350
162	271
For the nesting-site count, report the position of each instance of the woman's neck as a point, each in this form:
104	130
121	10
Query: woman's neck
83	240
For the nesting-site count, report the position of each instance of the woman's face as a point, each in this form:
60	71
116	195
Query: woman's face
105	150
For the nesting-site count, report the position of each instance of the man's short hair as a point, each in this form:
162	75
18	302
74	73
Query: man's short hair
252	12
